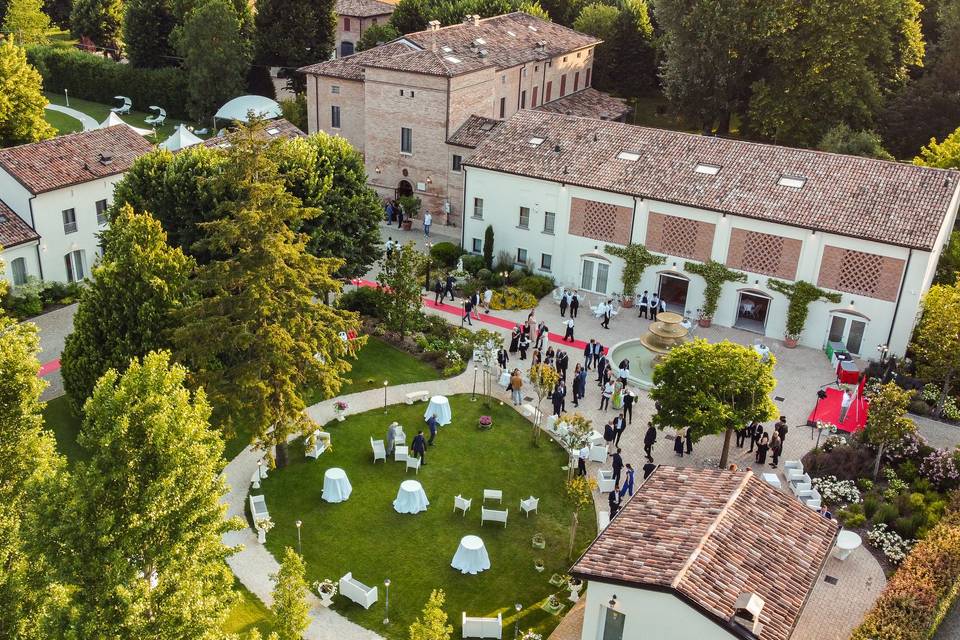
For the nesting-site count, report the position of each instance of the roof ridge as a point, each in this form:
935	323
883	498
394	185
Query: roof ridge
710	529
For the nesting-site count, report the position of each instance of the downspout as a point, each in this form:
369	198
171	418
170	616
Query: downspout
463	211
543	85
316	101
896	307
520	85
33	223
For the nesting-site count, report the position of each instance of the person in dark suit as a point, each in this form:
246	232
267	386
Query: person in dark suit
559	398
781	428
649	439
628	399
763	443
574	304
642	305
588	354
449	289
613	500
617	465
563	361
579	384
601	368
688	436
607	314
564	302
757	434
467	308
619	426
648	469
437	291
678	445
432	424
419	447
502	357
524	345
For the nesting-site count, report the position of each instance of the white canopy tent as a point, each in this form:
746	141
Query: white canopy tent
240	108
113	119
180	139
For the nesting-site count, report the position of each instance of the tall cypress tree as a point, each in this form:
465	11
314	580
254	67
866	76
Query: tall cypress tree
294	33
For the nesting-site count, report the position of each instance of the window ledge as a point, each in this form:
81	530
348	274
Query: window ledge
406	153
527	228
549	233
476	217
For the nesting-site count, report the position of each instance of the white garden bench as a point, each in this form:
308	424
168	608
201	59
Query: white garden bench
319	444
258	508
493	515
482	627
357	591
413	396
493	494
603	519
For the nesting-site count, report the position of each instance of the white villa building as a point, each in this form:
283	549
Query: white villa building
557	189
59	190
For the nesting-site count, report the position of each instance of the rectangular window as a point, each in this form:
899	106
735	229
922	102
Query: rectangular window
406	140
523	99
334	117
478	208
545	261
73	262
564	58
346	23
101	212
586	80
533	98
576	81
521	256
334	89
613	623
549	221
457	161
563	85
69	221
374	21
546	96
477	245
503	107
18	268
524	218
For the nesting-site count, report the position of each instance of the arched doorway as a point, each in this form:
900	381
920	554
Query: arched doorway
404	189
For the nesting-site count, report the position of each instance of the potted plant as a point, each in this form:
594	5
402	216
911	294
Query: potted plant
263	526
538	541
411	207
538	565
485	422
575	585
715	274
325	589
553	605
637	259
339	408
556	580
800	294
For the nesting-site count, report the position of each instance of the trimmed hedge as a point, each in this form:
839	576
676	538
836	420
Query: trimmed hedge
95	78
920	593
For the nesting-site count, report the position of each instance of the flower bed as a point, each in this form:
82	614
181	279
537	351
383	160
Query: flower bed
835	491
890	543
512	298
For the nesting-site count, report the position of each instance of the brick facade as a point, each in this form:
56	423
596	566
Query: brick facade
600	221
860	273
681	237
764	253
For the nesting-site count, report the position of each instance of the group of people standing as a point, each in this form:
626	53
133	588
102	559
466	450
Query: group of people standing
765	442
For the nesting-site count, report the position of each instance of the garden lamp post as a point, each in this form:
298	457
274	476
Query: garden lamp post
385	383
386	602
504	275
516	622
429	264
66	95
299	544
473	394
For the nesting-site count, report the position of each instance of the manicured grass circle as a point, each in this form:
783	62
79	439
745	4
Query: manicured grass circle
367	537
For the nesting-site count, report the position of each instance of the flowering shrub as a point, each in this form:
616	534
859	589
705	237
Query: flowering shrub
950	410
327	586
485	422
889	543
930	393
942	469
513	298
264	524
832	442
835	491
340	406
530	635
909	447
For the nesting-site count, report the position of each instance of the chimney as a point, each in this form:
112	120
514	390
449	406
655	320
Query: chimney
433	25
105	158
540	46
475	20
746	612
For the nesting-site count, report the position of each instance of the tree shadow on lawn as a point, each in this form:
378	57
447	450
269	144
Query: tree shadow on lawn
365	536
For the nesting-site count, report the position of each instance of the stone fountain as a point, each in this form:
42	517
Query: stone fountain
666	333
644	353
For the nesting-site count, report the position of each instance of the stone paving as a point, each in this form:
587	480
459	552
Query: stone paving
54	327
88	123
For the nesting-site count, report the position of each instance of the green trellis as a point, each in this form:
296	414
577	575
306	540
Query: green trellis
800	294
637	259
715	275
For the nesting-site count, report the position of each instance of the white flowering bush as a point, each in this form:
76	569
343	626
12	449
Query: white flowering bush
835	491
530	635
833	442
950	410
893	547
942	468
909	447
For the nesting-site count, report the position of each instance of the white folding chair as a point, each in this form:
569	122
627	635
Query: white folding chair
459	502
413	463
493	494
379	451
530	504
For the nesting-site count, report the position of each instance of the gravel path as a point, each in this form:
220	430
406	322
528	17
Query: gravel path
88	123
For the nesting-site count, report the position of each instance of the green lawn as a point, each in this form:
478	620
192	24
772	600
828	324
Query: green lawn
367	537
247	614
99	112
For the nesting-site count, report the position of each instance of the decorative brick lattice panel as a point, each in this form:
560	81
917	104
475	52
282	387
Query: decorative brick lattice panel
600	221
680	236
764	253
860	273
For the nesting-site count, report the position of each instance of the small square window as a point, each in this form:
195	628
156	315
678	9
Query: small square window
536	68
101	212
477	245
334	89
524	218
401	91
564	58
546	260
457	162
521	256
578	54
69	221
478	208
503	79
549	221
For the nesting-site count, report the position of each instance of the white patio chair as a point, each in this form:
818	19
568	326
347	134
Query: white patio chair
493	494
459	502
159	117
400	453
530	504
379	450
598	453
800	483
790	466
123	109
558	294
605	481
413	463
810	497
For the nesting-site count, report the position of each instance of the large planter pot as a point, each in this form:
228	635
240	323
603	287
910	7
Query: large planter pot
627	303
789	343
326	599
341	417
407	224
261	536
704	322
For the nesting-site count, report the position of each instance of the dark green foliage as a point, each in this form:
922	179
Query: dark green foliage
260	83
564	11
295	110
25	305
147	25
58	10
844	461
294	33
446	253
843	139
885	513
488	246
870	505
472	264
377	34
367	301
95	78
485	275
949	264
516	276
537	285
413	15
410	16
99	20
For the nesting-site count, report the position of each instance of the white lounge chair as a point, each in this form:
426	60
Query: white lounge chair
159	117
801	483
810	497
493	494
493	515
605	481
123	109
459	502
413	462
379	451
598	453
792	469
530	504
482	627
357	591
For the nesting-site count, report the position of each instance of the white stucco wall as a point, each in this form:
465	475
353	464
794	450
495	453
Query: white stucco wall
504	194
649	615
27	251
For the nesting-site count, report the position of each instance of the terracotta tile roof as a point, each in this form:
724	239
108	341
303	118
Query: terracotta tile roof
888	202
13	230
501	42
708	536
588	103
363	8
74	158
474	131
279	128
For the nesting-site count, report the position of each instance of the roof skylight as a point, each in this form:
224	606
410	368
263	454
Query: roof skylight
536	142
486	126
511	33
707	169
531	27
446	49
273	131
452	59
629	156
794	182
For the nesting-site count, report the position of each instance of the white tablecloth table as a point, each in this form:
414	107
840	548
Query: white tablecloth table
504	379
847	542
336	486
763	350
410	498
471	556
440	407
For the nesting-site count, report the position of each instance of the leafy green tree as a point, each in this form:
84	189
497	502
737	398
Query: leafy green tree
147	25
534	9
328	173
636	55
26	22
578	491
936	340
945	155
377	34
291	612
410	16
564	12
21	99
216	56
139	537
948	267
887	423
543	378
58	10
713	388
99	20
432	625
258	338
843	139
128	308
399	279
294	33
600	20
